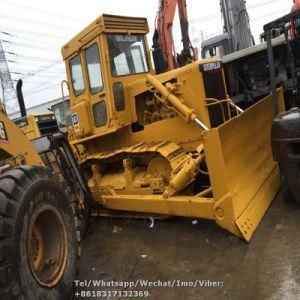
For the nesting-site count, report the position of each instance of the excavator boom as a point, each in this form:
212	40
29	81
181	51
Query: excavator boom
163	34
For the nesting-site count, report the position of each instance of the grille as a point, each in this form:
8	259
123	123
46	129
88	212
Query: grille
214	87
125	23
47	126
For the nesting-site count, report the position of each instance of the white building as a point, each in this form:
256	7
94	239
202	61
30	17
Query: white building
61	110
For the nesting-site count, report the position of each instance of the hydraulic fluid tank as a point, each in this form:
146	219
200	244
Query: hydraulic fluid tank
286	149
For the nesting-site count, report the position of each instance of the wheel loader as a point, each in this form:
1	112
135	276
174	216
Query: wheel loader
171	144
43	213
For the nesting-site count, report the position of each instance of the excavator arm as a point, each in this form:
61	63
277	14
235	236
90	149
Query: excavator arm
189	53
163	42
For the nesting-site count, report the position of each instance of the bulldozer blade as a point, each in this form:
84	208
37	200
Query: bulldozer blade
244	177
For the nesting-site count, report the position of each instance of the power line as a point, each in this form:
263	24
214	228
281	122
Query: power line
29	60
260	4
40	89
39	23
29	45
22	63
43	89
40	76
39	11
33	33
43	68
25	57
46	72
213	16
34	82
42	86
267	15
26	38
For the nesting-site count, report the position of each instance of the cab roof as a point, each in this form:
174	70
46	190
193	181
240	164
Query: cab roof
105	23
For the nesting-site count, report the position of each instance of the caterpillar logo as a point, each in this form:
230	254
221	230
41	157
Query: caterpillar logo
3	134
208	67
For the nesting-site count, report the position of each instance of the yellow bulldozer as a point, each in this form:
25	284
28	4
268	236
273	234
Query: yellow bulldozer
171	144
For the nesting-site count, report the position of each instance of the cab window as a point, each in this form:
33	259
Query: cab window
127	54
77	75
94	68
99	111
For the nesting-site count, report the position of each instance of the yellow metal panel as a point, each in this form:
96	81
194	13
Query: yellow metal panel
105	23
125	24
281	104
83	127
14	143
241	166
176	206
258	206
31	130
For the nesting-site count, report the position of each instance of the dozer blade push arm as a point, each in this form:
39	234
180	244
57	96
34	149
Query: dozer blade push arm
167	97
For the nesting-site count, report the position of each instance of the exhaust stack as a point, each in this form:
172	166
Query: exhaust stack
21	98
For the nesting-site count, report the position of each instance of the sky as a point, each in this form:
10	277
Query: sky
33	32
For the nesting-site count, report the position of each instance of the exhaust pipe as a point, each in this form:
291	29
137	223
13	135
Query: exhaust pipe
21	98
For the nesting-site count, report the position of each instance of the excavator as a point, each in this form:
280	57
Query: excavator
172	144
164	53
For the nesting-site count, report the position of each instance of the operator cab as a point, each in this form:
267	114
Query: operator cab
216	47
37	125
100	62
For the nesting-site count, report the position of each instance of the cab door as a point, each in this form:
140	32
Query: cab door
96	87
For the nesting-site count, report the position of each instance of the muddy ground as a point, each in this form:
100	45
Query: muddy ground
177	252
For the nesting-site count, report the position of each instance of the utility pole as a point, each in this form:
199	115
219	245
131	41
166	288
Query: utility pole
9	96
236	23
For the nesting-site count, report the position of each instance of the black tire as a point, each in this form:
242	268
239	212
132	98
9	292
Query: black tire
27	196
286	191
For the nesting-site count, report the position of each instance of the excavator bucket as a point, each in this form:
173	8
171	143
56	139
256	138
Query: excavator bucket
244	177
